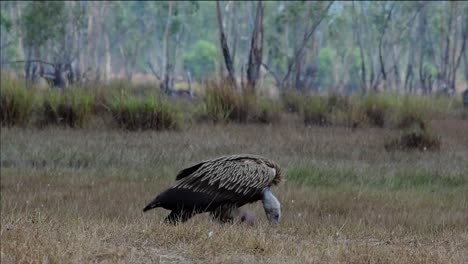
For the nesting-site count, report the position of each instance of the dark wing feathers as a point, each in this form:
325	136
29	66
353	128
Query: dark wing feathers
224	181
230	178
186	172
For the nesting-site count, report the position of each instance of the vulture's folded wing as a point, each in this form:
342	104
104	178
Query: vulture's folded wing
231	179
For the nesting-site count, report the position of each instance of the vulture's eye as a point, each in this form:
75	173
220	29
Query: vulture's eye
275	215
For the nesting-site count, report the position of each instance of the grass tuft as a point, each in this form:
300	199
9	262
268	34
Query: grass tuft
316	111
293	101
224	104
71	107
375	107
149	113
16	103
268	111
415	138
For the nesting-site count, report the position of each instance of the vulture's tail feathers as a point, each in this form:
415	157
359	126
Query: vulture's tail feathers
152	205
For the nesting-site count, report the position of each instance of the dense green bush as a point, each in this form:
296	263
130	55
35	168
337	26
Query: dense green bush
414	138
16	103
70	107
293	101
151	112
136	107
268	111
223	103
375	107
315	111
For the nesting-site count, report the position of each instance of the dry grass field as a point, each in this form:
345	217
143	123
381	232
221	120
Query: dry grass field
76	196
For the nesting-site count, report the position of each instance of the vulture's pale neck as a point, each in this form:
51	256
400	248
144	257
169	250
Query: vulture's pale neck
271	205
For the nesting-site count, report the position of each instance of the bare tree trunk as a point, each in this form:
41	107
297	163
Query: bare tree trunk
423	75
445	68
28	66
188	77
297	73
381	40
465	50
256	49
125	59
166	39
80	66
108	59
90	41
370	49
235	33
457	60
408	86
98	63
19	31
357	25
396	68
224	47
465	59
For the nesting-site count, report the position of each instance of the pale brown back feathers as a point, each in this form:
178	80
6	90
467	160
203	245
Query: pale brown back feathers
230	177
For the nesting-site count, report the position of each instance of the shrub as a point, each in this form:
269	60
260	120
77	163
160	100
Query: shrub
408	120
337	102
375	107
223	103
410	114
315	111
353	116
16	103
293	101
220	101
71	107
464	113
415	138
153	113
268	111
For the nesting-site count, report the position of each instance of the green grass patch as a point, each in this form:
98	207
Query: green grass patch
319	177
421	179
402	179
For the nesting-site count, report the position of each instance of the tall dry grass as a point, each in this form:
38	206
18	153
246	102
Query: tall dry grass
135	107
223	103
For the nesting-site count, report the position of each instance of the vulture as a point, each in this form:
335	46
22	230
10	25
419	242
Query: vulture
221	186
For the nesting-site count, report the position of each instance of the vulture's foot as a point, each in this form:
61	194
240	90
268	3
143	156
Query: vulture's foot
176	217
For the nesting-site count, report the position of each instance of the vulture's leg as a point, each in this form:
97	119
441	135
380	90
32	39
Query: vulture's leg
178	217
233	215
225	214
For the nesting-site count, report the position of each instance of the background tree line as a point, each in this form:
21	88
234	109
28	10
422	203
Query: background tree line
415	46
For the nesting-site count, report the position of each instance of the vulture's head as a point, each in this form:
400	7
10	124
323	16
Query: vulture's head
271	205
